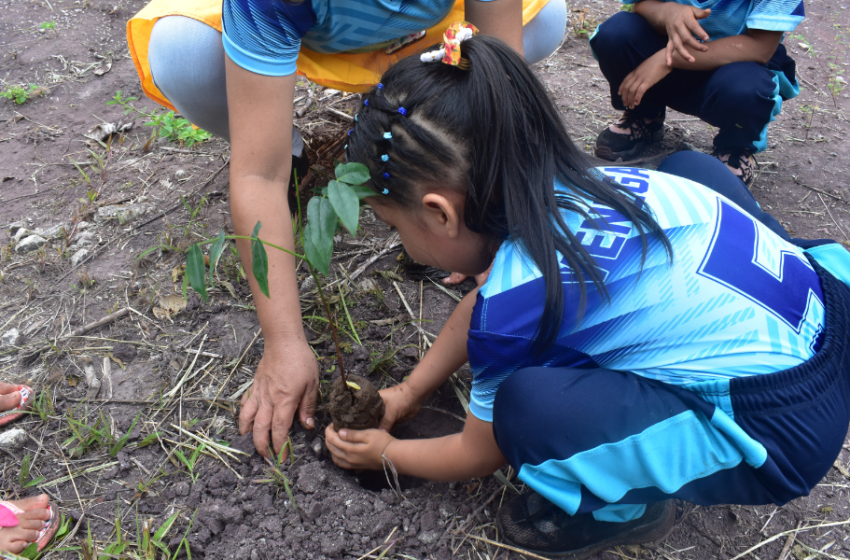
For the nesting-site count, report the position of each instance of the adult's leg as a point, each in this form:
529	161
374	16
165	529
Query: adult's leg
544	33
621	44
187	65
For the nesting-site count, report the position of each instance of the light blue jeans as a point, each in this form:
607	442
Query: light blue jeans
187	64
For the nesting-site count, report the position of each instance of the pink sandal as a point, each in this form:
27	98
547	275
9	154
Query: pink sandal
27	398
9	518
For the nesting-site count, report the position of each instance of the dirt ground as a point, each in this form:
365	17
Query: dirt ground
113	221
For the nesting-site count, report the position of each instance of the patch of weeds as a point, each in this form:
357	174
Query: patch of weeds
810	111
276	474
167	125
583	24
21	94
47	25
43	405
192	461
836	83
24	478
804	43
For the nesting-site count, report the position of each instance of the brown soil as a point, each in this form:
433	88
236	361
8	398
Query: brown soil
358	409
226	507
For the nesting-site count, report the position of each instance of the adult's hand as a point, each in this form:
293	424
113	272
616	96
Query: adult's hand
286	380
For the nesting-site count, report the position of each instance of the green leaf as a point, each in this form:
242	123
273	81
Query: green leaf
215	253
260	261
352	173
362	191
162	531
196	270
319	233
345	204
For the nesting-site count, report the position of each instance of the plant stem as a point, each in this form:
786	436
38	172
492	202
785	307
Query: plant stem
332	323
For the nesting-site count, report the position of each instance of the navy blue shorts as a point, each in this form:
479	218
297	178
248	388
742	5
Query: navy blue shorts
609	442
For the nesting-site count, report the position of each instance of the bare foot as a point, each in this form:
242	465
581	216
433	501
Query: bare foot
30	523
10	396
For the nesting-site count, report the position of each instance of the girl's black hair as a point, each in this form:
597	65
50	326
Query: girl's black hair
494	131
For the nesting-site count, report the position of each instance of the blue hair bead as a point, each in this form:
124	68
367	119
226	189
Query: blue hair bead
385	157
388	135
346	147
385	191
386	175
356	117
380	86
403	111
366	103
349	132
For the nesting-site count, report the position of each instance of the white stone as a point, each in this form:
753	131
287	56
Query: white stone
20	233
15	226
29	244
10	338
53	232
13	439
79	256
123	214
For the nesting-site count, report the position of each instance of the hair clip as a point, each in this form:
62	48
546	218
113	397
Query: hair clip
385	191
380	86
386	175
349	131
457	33
384	157
346	147
388	135
366	102
403	111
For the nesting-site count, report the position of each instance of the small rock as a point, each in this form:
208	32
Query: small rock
29	244
772	145
13	439
428	537
311	477
122	213
181	489
15	226
83	225
308	284
314	510
181	175
54	231
79	256
20	233
10	338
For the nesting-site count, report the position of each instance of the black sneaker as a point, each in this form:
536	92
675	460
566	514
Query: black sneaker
740	162
534	523
300	167
613	146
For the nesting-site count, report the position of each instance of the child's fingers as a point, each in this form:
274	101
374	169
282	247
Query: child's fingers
668	55
355	436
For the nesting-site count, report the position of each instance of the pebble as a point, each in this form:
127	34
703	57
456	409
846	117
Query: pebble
29	244
13	439
124	214
79	256
10	338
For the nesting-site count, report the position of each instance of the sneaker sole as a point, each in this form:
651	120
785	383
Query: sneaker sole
657	531
604	152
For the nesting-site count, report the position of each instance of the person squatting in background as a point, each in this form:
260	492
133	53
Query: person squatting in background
719	60
230	68
642	336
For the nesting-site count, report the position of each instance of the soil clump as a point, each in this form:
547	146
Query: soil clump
357	409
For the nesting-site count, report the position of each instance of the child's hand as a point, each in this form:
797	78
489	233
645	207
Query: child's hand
682	25
650	72
400	404
357	449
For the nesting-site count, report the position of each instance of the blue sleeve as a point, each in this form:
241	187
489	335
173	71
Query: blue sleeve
776	15
492	358
264	36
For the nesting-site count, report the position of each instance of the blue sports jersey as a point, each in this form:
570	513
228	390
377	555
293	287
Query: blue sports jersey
265	36
736	300
734	17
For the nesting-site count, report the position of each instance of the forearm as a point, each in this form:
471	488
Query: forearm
470	454
653	12
498	18
252	200
447	354
738	48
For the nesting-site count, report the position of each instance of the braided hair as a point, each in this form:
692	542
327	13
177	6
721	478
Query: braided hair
492	132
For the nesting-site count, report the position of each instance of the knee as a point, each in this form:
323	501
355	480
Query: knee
543	34
690	165
615	34
184	58
740	87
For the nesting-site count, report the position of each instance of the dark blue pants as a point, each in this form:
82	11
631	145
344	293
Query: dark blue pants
739	98
609	442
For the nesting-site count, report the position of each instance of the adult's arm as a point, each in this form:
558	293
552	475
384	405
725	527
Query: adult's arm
261	141
498	18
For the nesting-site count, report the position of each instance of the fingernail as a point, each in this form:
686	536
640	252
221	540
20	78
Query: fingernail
310	423
383	429
343	434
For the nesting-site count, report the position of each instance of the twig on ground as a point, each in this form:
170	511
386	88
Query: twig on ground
239	361
783	533
791	538
508	547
